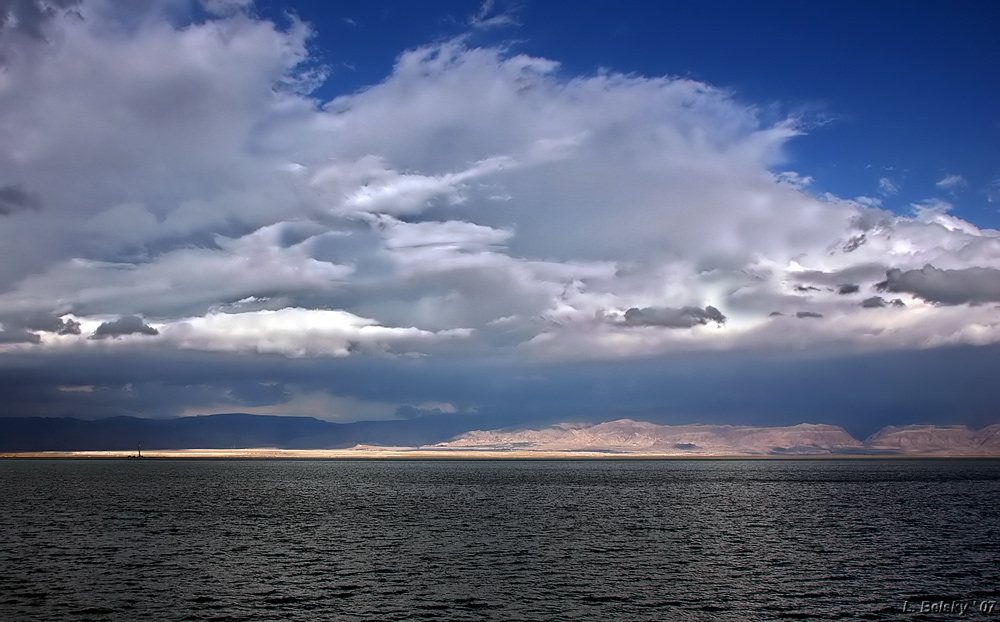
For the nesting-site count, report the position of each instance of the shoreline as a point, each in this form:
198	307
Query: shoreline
420	453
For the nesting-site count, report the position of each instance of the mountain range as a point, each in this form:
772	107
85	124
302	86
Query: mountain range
637	437
449	433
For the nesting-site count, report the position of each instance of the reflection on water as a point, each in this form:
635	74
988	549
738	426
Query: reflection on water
496	540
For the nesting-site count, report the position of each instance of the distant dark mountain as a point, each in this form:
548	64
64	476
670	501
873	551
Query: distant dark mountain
220	431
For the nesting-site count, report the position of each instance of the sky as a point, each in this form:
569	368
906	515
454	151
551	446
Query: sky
520	213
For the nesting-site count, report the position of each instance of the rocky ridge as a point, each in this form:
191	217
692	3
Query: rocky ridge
636	437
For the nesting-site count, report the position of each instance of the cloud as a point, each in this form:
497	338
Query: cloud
684	317
667	389
863	272
475	205
951	287
877	302
392	219
795	180
952	183
808	314
992	190
126	325
183	280
390	192
14	198
488	16
887	187
69	327
226	7
45	322
408	411
570	165
296	332
28	17
868	201
18	335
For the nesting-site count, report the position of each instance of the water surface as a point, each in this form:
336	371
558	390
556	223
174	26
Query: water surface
497	540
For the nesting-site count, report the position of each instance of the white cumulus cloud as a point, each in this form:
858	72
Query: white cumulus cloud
475	199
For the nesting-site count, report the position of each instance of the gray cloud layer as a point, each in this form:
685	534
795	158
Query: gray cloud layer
951	287
18	335
45	322
703	388
476	207
14	198
28	17
684	317
126	325
877	302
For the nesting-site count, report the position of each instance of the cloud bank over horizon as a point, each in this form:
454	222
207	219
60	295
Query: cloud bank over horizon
171	186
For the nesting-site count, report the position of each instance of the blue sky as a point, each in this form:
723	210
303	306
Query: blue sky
513	212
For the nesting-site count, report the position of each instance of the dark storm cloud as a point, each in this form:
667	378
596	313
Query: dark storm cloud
127	325
28	17
760	388
808	314
876	302
950	287
94	401
167	383
19	335
41	321
69	327
669	317
258	393
45	322
14	198
847	288
412	412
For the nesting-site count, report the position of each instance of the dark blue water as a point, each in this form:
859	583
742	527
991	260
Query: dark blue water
498	540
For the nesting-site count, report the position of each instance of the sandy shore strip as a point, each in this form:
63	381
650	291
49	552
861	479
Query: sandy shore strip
360	452
431	453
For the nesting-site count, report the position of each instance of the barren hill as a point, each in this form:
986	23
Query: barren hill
955	440
636	437
628	436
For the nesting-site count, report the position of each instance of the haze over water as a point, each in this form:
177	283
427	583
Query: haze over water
496	540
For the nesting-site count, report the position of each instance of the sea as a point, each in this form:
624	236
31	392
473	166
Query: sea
547	540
